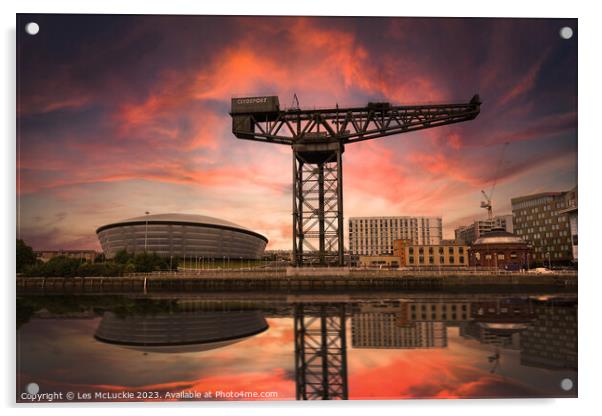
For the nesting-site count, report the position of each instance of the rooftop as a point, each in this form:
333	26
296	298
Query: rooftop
182	219
192	218
499	236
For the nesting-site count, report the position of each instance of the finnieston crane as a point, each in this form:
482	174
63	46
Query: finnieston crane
487	204
318	138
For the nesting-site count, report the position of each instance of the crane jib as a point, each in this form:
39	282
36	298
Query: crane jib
317	138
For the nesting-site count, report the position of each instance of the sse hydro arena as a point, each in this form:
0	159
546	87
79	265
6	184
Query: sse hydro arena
180	235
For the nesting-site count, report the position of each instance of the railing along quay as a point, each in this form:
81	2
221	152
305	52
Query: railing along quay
278	281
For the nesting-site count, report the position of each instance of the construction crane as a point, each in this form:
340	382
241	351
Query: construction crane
487	204
318	138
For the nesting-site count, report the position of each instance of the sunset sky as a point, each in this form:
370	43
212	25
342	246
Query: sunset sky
52	352
118	115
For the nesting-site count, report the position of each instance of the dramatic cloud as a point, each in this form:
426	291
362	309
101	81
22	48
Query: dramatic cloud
138	104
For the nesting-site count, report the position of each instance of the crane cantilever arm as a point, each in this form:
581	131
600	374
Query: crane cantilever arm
349	125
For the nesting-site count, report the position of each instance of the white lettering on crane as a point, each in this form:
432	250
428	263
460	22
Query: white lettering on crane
253	100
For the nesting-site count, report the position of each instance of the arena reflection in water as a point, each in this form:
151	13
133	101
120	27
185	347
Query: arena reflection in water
308	348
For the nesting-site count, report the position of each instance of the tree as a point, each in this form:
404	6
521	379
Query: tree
25	256
149	262
122	256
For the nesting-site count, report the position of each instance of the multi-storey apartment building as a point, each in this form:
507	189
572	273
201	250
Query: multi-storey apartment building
468	234
376	235
541	220
383	330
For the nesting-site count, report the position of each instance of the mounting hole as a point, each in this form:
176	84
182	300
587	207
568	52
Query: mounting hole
32	28
566	32
566	384
32	388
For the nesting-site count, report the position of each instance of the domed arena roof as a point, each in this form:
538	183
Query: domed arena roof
499	236
192	219
180	332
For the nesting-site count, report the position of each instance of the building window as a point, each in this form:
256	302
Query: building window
500	257
440	250
421	259
412	259
461	259
461	250
411	251
451	259
442	260
431	260
451	250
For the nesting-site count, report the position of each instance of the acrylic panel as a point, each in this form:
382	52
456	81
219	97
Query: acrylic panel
184	231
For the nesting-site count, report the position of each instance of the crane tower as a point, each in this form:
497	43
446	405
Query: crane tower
318	138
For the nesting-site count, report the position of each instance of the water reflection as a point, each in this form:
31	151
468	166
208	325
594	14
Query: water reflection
305	348
179	332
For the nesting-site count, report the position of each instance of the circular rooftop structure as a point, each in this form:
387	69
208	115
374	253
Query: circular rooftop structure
180	332
499	236
181	235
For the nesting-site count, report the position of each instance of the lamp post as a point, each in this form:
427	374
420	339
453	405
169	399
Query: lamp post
146	229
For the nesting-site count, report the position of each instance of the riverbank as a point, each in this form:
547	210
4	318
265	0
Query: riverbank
249	280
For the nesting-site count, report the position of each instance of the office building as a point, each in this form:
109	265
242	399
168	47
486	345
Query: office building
468	234
550	341
448	312
435	255
571	211
376	235
541	219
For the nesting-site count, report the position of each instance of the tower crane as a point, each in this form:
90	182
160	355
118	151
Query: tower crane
318	138
487	204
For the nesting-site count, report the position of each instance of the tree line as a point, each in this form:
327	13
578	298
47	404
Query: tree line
62	266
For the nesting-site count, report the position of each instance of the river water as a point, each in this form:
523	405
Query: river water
288	347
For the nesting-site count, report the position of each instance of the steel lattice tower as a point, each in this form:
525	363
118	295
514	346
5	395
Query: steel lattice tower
320	353
318	138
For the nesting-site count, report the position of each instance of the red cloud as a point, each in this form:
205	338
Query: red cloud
525	84
176	130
